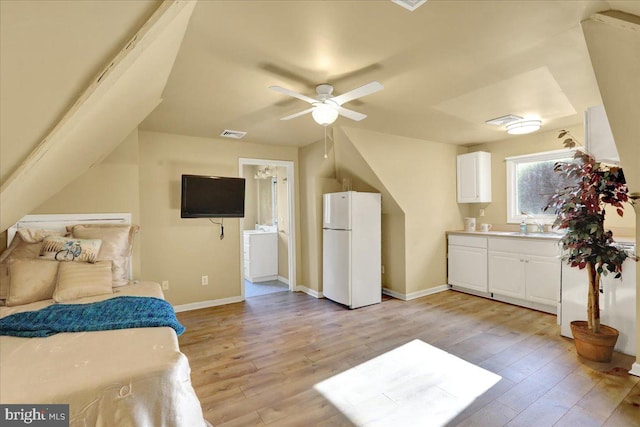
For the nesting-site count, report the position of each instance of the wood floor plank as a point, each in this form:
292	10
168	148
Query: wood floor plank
256	363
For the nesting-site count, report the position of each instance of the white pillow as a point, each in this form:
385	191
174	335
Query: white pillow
69	249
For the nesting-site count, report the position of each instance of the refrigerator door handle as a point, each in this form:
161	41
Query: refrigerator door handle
327	210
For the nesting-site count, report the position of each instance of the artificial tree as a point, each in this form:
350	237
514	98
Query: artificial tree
580	210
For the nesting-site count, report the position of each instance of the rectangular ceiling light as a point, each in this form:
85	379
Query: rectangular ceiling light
410	4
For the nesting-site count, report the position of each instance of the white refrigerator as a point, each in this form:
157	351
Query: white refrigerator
351	249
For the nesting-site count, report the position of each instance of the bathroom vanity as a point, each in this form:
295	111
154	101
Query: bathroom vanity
260	255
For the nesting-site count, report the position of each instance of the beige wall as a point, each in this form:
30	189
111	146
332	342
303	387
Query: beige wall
421	176
108	186
251	197
182	250
350	165
496	211
317	176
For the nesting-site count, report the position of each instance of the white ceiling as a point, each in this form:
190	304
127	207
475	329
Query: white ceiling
446	68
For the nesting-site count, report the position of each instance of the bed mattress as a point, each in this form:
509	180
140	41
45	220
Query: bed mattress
126	377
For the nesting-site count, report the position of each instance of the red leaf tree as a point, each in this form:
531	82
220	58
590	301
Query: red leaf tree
580	210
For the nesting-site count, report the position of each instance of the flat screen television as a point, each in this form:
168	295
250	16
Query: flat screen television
212	197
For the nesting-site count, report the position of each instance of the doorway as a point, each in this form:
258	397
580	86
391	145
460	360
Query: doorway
267	236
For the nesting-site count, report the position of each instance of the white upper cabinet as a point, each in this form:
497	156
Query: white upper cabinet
598	138
474	177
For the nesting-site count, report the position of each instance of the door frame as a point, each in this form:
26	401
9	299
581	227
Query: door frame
289	166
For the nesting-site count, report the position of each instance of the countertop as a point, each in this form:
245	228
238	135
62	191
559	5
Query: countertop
516	234
530	235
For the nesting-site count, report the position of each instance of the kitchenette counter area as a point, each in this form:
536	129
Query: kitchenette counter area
527	270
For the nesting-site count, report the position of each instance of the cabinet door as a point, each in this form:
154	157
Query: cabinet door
468	267
263	255
506	274
467	178
542	279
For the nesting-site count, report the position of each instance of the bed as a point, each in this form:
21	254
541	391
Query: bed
123	377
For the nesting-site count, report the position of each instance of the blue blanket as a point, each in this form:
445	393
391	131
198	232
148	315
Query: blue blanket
115	313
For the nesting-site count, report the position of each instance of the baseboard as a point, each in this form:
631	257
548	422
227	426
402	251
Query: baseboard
283	280
635	369
206	304
414	295
308	291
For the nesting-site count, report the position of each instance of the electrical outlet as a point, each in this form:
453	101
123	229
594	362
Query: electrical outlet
165	285
204	280
382	269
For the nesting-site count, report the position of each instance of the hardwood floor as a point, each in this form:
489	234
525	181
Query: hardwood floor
256	363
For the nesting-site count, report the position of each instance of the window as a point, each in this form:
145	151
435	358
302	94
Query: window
530	182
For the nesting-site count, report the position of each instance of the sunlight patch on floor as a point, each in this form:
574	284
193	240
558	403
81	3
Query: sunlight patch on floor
415	384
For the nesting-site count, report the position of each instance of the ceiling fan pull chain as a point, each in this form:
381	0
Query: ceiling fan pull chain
325	142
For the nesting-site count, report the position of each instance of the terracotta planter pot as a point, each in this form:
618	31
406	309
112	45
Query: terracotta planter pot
596	347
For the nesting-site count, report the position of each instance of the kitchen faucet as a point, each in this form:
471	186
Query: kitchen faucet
538	223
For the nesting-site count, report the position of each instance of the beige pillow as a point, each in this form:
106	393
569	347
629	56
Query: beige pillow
31	280
70	249
78	280
36	235
18	249
117	245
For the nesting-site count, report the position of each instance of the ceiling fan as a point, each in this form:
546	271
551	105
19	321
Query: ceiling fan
326	108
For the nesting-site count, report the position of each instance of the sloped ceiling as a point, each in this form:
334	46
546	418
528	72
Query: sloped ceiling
49	53
446	68
112	105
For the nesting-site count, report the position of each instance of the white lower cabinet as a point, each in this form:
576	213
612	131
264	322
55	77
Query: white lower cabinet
518	270
467	267
526	269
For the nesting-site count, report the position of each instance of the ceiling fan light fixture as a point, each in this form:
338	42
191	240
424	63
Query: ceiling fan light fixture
324	114
523	127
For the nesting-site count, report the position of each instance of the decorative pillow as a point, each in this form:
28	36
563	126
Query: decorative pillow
78	280
37	235
31	280
117	245
18	249
70	249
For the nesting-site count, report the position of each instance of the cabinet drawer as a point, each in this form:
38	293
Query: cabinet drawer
525	246
469	241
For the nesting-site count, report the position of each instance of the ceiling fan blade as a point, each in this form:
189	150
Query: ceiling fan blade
301	113
288	74
294	94
350	114
365	90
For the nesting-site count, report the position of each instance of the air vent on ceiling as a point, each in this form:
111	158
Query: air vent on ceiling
504	120
410	4
235	134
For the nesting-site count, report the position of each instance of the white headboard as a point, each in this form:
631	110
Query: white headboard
59	222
